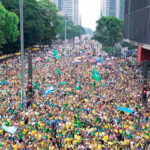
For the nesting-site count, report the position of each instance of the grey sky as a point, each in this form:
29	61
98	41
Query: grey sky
90	12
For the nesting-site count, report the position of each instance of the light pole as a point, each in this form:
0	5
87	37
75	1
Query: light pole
22	53
65	29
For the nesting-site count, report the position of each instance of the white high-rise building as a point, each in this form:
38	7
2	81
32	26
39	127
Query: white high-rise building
120	4
112	8
67	6
105	7
76	12
118	8
70	8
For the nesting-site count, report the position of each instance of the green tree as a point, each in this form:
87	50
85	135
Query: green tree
109	31
79	30
40	21
129	45
8	26
32	19
49	21
88	31
72	30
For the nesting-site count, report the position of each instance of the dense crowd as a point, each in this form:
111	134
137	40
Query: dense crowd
86	118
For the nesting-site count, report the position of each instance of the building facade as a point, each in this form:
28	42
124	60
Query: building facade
76	12
67	6
58	4
120	9
137	26
112	8
105	7
70	8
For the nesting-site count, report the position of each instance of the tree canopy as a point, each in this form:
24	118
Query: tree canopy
109	31
42	24
49	21
71	29
8	26
40	19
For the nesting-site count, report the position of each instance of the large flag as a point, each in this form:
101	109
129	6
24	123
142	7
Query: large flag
36	85
57	71
55	54
78	87
96	75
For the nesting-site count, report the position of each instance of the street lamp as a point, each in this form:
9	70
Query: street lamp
22	53
65	29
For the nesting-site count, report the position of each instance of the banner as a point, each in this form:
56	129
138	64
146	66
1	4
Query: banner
125	110
11	129
50	89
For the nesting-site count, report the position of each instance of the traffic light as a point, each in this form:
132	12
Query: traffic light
29	89
30	86
144	93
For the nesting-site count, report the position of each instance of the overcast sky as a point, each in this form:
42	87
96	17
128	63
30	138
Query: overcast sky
90	12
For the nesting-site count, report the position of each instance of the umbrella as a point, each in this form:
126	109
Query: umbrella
99	60
100	64
84	56
49	52
110	64
77	61
39	59
49	55
45	57
92	60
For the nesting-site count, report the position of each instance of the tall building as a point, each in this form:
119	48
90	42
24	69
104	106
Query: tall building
105	7
120	5
113	8
137	29
70	8
58	4
76	12
67	6
118	8
122	9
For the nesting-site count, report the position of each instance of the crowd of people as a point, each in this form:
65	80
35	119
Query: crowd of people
70	118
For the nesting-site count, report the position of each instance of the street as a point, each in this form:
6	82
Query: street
71	108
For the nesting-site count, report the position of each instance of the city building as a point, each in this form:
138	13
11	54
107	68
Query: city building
120	8
58	4
67	6
76	12
112	8
137	26
70	8
105	7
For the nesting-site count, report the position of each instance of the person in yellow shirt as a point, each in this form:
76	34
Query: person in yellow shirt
15	147
39	136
